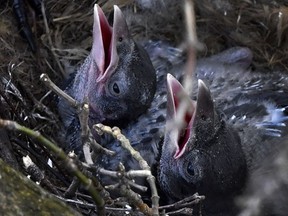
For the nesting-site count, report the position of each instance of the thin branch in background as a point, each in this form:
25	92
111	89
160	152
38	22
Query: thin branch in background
41	161
6	99
52	49
84	167
73	187
192	45
136	200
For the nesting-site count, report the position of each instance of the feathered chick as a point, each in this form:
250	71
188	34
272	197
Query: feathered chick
224	135
202	154
117	78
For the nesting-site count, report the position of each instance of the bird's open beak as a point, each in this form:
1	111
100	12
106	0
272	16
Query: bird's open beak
105	39
183	120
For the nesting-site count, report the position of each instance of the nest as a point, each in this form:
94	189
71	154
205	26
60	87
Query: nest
65	41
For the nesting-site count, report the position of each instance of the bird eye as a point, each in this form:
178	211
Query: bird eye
115	89
120	39
191	169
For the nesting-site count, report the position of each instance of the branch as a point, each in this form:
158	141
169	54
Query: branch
125	143
192	45
47	81
188	201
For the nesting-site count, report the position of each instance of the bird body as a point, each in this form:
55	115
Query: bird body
117	78
229	128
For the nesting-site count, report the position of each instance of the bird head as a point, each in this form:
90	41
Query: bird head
117	77
201	153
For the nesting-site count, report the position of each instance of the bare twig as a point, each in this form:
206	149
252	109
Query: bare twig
92	206
83	113
125	143
192	200
135	199
192	45
47	81
124	177
183	211
70	192
85	132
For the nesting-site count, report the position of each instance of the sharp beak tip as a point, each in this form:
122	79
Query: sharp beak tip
203	90
116	8
201	84
96	8
172	82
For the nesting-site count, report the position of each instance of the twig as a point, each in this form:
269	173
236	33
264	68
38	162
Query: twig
192	45
135	199
6	99
192	200
71	191
11	125
125	190
183	211
47	81
125	177
85	132
125	143
92	206
84	167
86	136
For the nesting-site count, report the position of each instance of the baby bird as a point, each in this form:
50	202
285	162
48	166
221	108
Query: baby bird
117	78
226	131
